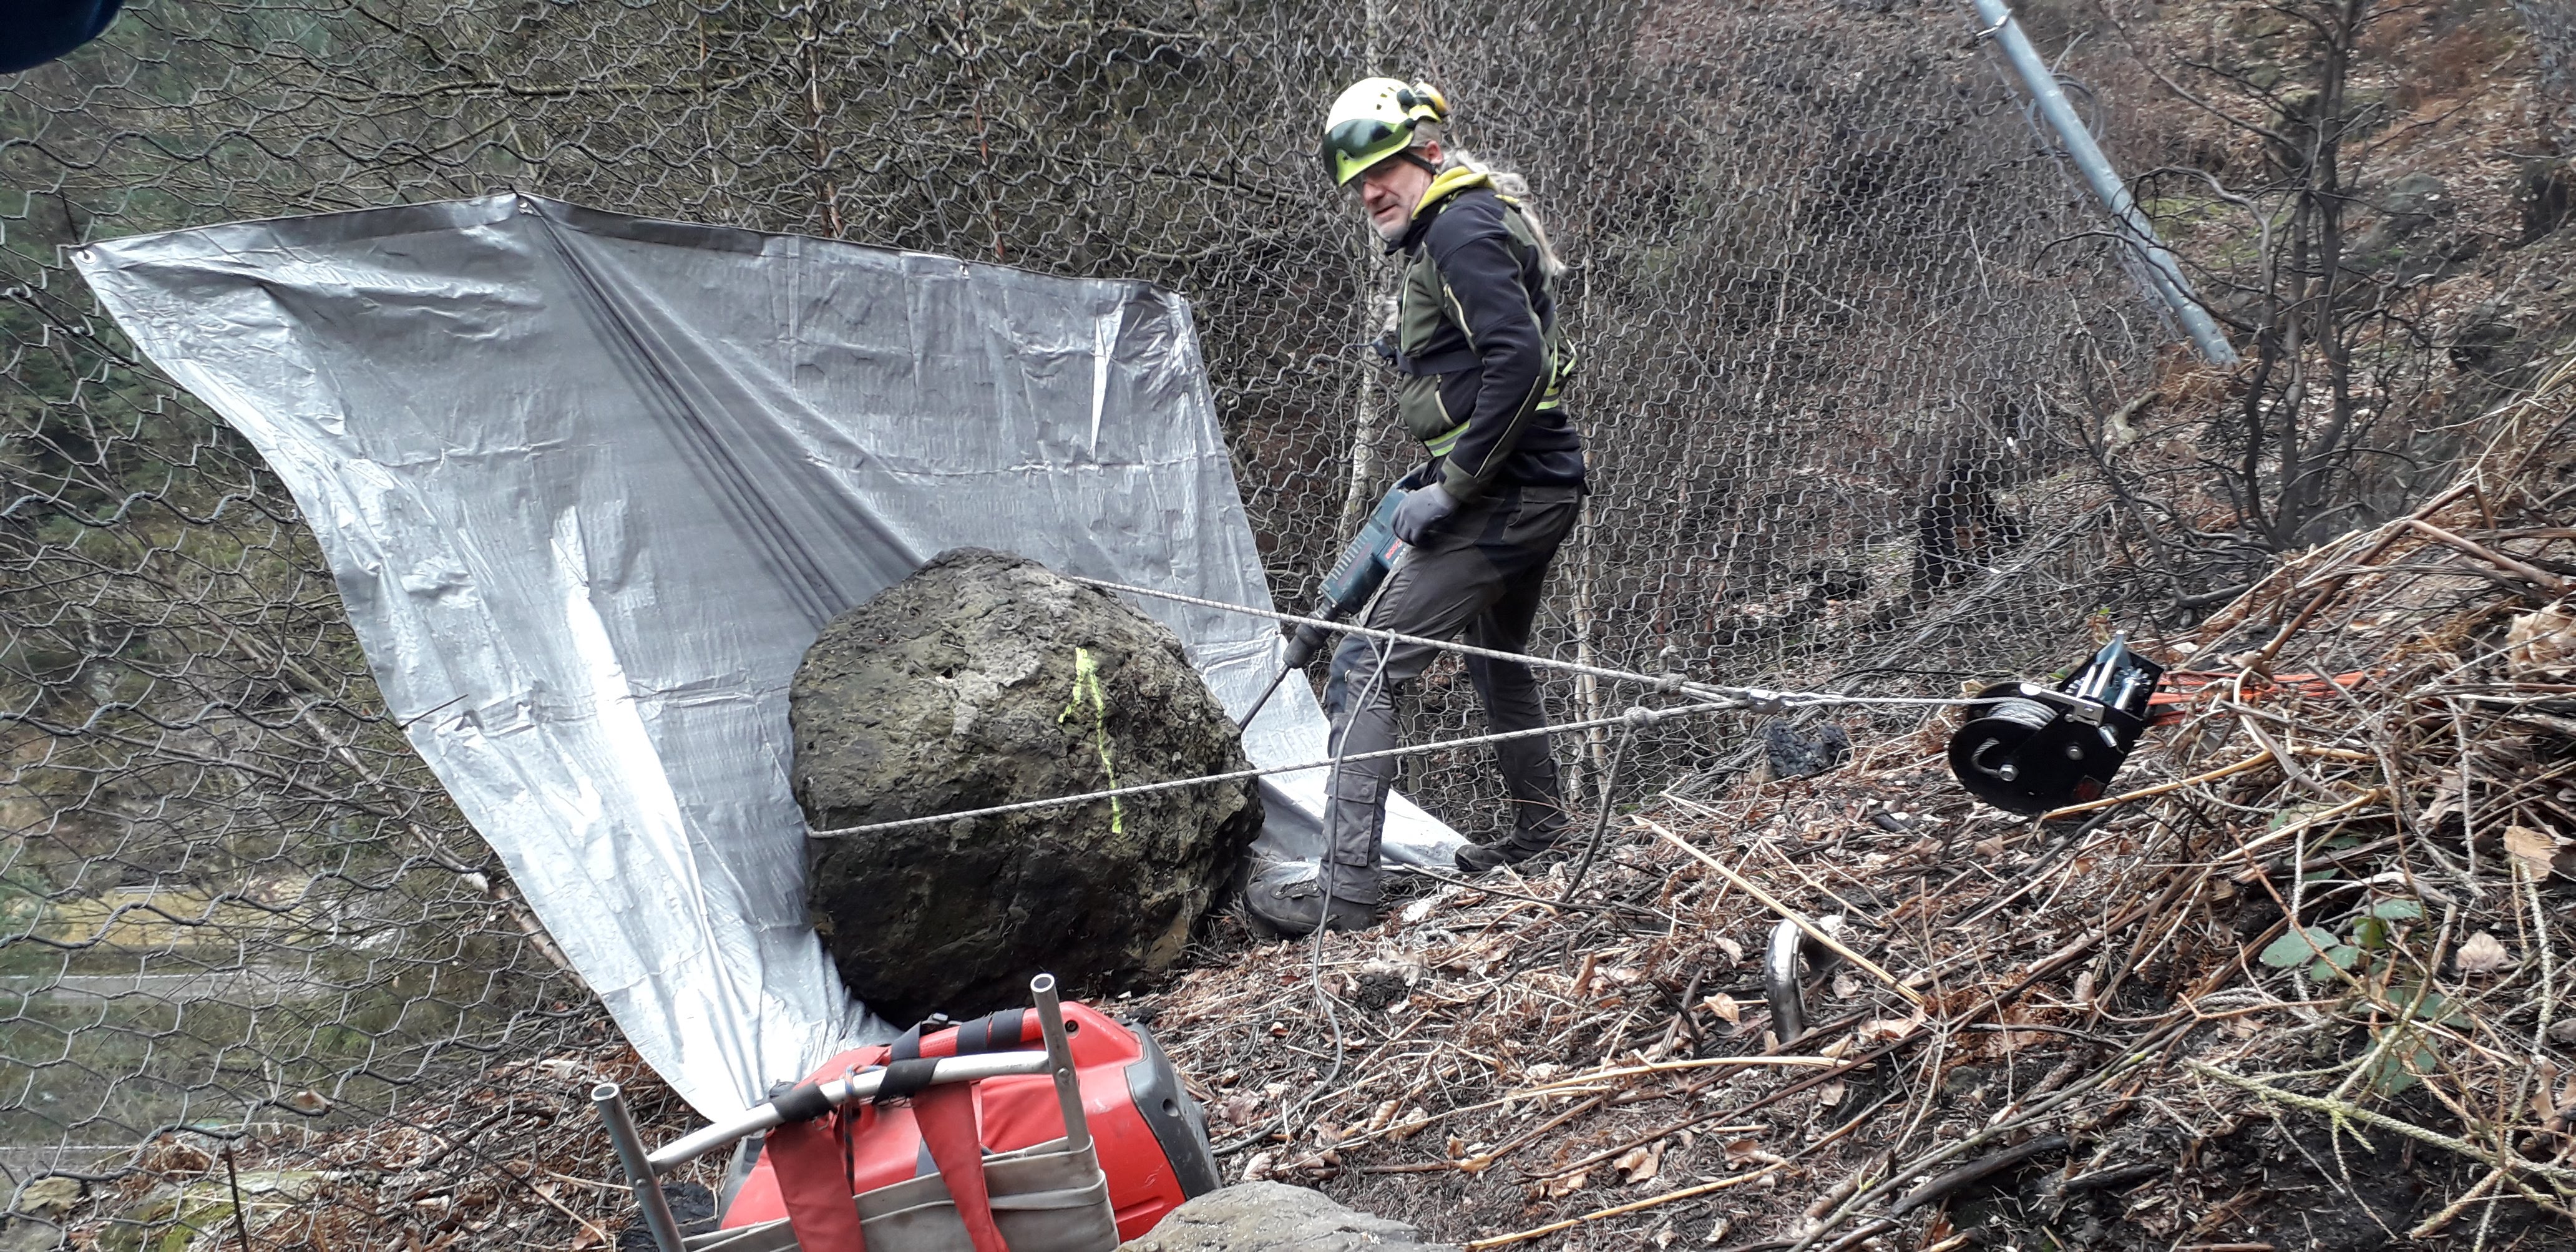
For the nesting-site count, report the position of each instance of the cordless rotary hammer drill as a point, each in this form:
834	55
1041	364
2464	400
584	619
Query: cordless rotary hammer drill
1354	578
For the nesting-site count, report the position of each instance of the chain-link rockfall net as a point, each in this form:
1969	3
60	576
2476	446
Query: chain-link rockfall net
1842	317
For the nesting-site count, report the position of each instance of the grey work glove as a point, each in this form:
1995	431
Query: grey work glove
1423	510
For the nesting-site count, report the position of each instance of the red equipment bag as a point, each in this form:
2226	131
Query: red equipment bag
1150	1135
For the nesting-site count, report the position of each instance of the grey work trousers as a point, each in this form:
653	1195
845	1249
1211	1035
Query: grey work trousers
1481	572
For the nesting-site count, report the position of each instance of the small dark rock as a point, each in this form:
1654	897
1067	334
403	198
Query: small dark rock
1840	584
2481	337
1378	989
31	1234
1792	754
2405	210
2546	197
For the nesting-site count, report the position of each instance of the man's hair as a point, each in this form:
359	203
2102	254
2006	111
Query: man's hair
1509	182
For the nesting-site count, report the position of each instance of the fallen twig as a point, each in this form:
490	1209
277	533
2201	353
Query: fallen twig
1972	1171
2159	789
2529	573
1771	902
1537	1232
2341	1111
1705	1062
2155	1039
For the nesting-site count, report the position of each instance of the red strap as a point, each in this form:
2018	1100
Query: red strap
946	1115
814	1181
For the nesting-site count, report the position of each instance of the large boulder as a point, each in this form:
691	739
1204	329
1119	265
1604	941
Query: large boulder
985	679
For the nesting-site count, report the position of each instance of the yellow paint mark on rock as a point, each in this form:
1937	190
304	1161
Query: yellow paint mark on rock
1087	685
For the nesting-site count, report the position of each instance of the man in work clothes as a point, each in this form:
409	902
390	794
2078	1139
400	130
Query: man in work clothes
1482	365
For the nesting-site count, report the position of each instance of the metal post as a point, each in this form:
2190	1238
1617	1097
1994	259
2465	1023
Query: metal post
658	1220
2139	233
1068	1084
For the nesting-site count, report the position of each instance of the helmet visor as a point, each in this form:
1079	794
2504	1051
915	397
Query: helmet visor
1360	142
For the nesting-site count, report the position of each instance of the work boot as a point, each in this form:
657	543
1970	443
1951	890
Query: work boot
1519	846
1538	829
1290	900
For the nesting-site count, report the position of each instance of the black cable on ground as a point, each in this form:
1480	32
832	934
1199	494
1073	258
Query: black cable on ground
1634	718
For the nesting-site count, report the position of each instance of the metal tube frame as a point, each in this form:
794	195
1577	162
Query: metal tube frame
859	1085
641	1177
2163	271
1068	1084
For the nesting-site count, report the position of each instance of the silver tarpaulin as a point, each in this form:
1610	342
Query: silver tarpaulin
590	484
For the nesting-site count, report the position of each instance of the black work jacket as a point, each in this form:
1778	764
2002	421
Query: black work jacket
1478	346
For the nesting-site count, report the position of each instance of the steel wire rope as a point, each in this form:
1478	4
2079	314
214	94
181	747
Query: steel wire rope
1709	699
1239	775
1754	699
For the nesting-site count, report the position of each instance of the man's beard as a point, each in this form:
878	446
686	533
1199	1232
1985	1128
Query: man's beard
1392	233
